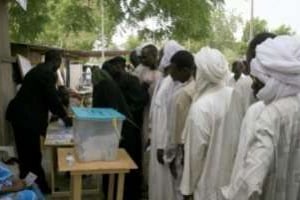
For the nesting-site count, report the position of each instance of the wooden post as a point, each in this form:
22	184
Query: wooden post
7	88
67	65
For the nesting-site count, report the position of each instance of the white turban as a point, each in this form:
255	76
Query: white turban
277	65
170	49
212	70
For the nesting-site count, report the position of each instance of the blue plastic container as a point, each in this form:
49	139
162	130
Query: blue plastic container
97	132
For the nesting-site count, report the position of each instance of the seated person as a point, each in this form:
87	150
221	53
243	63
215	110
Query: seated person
16	189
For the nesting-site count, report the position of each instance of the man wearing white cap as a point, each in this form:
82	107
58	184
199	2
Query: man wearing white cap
212	98
271	167
160	178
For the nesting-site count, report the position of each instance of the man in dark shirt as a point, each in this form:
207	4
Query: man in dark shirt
28	113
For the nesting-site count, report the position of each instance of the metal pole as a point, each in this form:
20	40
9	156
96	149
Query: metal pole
251	33
102	31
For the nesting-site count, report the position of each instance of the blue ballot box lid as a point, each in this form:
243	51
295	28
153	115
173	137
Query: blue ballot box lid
101	114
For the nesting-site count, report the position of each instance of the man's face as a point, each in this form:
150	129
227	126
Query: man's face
148	58
237	71
180	74
257	85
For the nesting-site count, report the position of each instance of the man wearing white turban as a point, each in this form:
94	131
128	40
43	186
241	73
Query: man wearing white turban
271	166
231	132
160	178
211	102
168	51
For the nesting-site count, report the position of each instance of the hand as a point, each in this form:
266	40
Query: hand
68	121
17	185
160	156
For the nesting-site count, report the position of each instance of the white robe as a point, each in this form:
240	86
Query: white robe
178	109
271	167
202	127
246	136
232	82
241	100
160	178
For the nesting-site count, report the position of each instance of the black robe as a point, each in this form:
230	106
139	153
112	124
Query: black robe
107	93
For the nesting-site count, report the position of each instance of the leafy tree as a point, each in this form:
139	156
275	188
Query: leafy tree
259	25
61	22
26	25
223	28
283	30
178	20
221	34
132	42
56	21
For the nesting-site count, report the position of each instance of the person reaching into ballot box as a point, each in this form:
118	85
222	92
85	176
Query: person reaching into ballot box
28	114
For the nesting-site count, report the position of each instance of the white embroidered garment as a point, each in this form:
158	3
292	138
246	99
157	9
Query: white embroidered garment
271	166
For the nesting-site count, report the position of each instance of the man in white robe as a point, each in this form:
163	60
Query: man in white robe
236	73
270	169
231	132
212	100
182	70
160	178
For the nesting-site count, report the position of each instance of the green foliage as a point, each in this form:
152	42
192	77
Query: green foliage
284	30
259	25
26	25
223	29
221	35
174	19
132	42
62	22
73	24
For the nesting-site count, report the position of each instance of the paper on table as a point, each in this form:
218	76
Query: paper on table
57	134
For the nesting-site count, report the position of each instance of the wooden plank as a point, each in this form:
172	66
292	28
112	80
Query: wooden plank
111	187
7	87
122	163
120	191
76	187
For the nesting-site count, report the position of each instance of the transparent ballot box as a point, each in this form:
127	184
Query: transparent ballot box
97	132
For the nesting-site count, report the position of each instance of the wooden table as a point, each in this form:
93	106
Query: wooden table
122	165
54	141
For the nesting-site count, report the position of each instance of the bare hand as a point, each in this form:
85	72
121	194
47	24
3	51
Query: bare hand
19	185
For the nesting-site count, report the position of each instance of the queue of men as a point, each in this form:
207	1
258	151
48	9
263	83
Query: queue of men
195	131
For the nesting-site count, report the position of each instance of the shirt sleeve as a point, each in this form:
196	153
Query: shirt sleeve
197	131
48	82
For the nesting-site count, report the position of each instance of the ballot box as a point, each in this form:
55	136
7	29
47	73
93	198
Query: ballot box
97	132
